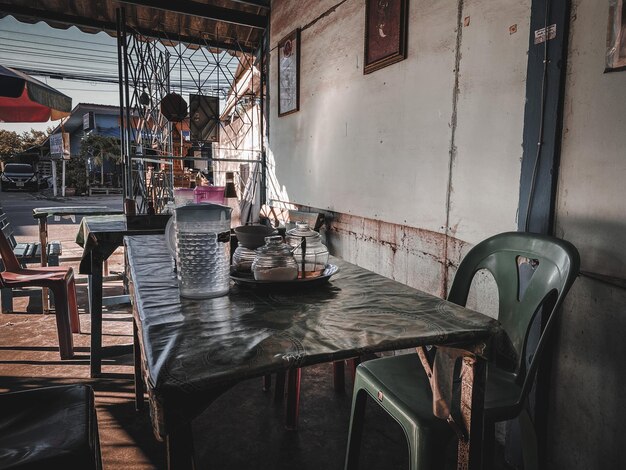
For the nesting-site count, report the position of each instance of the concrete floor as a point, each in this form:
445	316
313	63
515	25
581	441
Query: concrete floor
242	430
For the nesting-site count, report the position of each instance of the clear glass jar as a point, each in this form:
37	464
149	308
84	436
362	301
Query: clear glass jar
242	259
310	253
274	261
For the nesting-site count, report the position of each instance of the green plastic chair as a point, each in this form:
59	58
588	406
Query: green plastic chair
401	380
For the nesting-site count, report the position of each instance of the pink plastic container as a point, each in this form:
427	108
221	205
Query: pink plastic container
209	194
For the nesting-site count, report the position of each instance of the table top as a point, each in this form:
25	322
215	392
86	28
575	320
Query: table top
191	348
103	234
44	212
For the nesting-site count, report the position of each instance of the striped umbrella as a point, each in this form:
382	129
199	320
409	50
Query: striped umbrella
25	99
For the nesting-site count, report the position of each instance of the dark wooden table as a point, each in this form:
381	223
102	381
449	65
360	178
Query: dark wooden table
100	236
42	214
191	351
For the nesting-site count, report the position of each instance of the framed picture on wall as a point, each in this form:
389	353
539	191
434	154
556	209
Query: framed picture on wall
386	24
616	37
289	73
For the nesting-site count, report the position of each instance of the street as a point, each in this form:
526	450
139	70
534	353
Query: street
19	209
19	206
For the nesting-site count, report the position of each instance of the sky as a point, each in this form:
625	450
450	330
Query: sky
40	47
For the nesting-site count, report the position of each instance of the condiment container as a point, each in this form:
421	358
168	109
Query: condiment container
310	253
243	258
274	261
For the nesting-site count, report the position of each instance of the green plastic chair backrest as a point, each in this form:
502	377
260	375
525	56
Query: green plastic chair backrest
558	266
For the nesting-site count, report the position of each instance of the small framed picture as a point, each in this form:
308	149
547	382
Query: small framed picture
386	24
289	73
616	37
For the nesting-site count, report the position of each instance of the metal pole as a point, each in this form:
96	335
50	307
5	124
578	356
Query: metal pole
129	174
169	126
264	51
54	177
120	77
63	178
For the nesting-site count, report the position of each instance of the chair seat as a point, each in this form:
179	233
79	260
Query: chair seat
33	275
403	382
52	427
532	272
405	375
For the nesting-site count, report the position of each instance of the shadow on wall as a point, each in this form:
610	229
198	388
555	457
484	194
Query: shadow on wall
600	242
275	191
588	379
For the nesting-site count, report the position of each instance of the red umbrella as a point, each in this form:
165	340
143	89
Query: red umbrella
25	99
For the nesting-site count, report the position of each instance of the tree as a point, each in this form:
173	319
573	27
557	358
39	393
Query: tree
34	138
76	174
12	143
100	148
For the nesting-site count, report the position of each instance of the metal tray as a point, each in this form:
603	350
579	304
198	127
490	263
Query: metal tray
248	280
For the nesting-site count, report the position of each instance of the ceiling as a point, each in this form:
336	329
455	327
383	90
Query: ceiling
236	25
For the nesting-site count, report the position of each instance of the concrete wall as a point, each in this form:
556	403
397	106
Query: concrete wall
588	424
415	162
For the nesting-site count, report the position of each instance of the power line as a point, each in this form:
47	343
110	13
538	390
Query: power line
60	38
72	46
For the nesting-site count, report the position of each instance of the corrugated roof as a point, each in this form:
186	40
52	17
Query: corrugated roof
229	24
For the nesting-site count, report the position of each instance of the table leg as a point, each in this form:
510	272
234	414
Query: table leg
267	382
279	388
292	405
95	310
43	241
339	380
474	375
139	385
180	449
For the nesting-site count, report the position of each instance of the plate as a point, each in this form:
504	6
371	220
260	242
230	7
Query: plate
250	281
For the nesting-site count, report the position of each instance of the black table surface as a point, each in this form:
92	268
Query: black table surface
104	234
195	349
44	212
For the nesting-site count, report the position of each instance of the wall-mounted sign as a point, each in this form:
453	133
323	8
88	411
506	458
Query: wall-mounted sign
386	26
89	121
616	37
543	33
60	146
289	73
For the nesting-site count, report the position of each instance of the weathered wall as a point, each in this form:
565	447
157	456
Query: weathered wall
588	420
417	161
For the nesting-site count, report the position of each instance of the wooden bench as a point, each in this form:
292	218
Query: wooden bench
104	190
26	253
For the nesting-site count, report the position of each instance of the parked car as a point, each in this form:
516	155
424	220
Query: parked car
21	176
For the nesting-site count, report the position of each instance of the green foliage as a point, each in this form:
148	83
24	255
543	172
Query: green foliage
100	148
33	138
76	174
12	143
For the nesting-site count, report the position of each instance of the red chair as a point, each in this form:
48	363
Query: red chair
59	279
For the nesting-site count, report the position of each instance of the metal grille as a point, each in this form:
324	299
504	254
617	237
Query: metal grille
221	132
